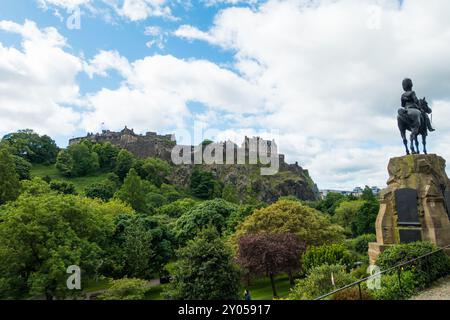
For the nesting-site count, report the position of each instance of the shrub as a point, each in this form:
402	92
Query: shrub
104	190
352	294
426	270
63	187
392	290
361	243
319	282
326	254
126	289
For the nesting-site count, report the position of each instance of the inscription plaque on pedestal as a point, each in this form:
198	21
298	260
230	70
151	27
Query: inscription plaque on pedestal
410	235
447	201
406	202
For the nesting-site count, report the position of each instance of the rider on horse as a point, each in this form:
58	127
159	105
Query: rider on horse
409	100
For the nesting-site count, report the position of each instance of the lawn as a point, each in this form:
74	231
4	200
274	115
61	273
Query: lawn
260	289
80	183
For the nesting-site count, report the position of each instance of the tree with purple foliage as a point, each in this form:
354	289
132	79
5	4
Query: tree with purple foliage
270	254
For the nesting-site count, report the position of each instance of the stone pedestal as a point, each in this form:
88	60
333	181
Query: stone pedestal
415	205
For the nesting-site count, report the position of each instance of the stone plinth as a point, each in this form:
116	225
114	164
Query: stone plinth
423	176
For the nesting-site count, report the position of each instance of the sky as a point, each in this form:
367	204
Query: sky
322	77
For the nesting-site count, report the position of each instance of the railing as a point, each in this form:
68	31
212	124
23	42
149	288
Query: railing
376	275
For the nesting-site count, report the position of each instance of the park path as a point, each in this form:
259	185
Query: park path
439	291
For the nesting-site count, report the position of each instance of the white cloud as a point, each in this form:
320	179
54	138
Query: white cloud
66	4
156	90
37	81
334	70
136	10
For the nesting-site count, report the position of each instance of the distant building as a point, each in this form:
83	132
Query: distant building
357	192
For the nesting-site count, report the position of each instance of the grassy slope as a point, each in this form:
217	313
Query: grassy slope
80	183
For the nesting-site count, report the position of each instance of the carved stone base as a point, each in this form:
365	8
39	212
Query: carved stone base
398	220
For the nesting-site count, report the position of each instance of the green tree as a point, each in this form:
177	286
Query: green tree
364	221
229	194
212	212
9	179
287	216
125	161
154	170
126	289
202	184
31	146
23	167
65	163
133	192
85	161
103	190
205	270
137	250
107	155
40	236
346	212
63	187
177	208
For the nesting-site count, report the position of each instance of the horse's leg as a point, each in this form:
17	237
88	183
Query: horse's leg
424	142
405	141
411	138
417	143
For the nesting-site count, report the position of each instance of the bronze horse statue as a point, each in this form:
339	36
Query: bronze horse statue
413	120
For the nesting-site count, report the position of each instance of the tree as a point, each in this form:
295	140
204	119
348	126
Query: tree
202	184
23	167
126	289
137	250
63	187
133	192
125	161
9	179
368	195
270	254
287	216
154	170
204	271
177	208
141	246
346	212
330	203
42	235
65	163
31	146
364	221
107	155
103	190
212	212
85	161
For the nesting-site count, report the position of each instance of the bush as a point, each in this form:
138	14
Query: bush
318	282
326	254
352	294
104	190
23	167
126	289
391	290
63	187
361	243
426	270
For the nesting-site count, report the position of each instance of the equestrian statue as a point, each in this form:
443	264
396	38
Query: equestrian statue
413	117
